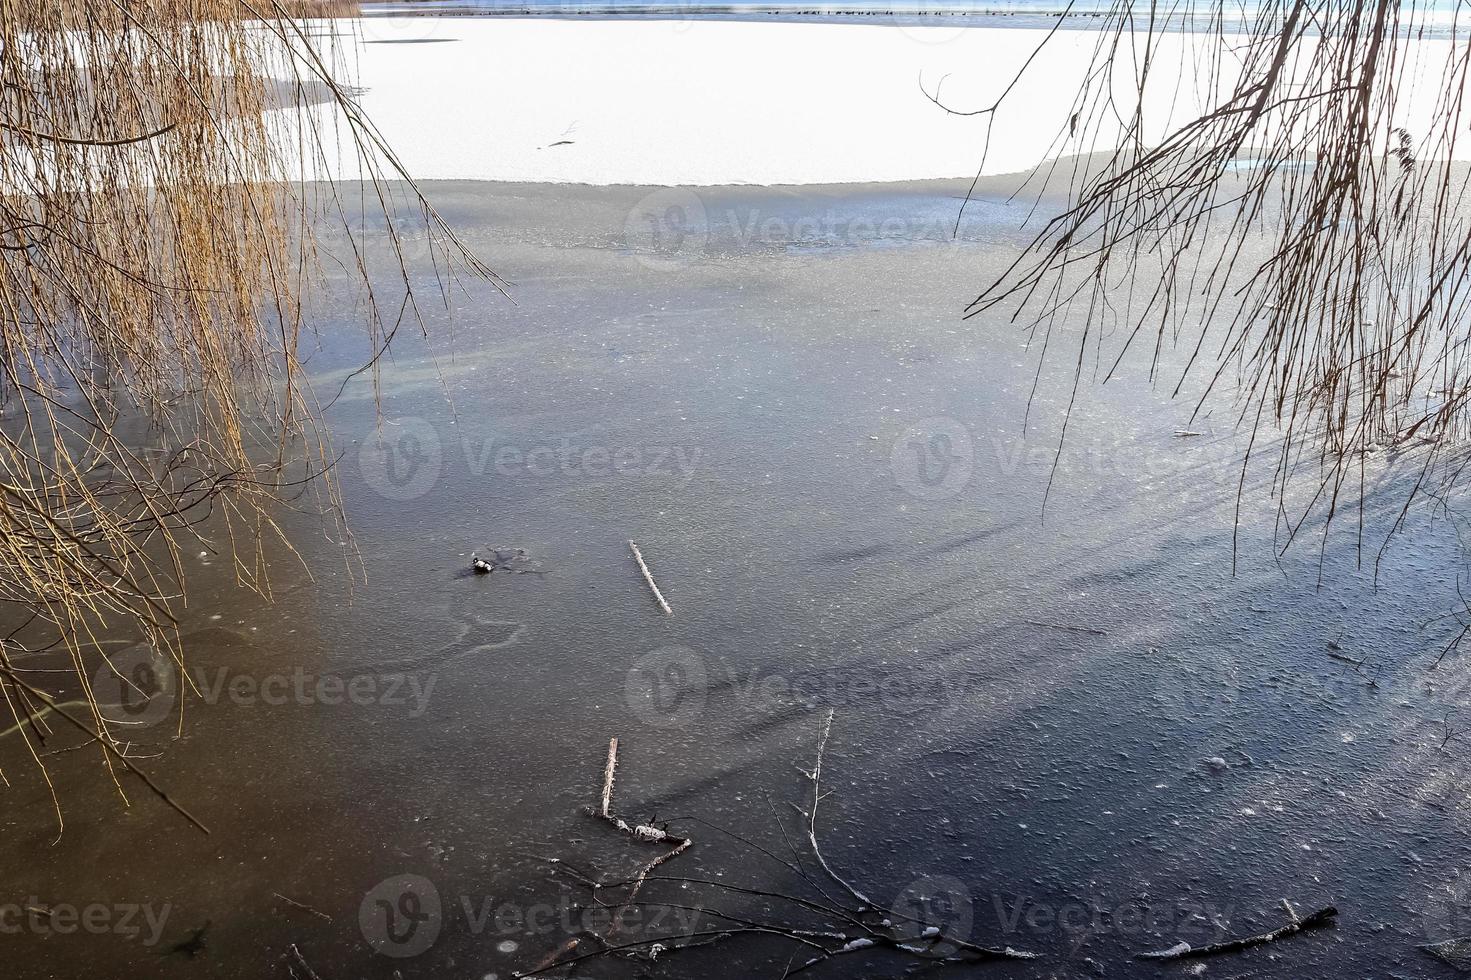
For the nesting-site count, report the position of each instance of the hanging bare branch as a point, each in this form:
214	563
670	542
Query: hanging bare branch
1302	234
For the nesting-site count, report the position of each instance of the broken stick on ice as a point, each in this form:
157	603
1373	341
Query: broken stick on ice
640	831
649	578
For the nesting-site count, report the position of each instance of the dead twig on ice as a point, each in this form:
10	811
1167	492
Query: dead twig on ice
1450	733
305	908
297	961
1065	626
1181	951
649	578
816	776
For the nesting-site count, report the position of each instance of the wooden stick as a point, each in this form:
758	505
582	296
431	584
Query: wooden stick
1183	951
608	776
649	578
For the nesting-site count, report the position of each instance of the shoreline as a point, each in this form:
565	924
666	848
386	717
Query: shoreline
1062	16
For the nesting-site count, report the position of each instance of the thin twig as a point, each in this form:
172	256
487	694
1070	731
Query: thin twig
816	777
305	908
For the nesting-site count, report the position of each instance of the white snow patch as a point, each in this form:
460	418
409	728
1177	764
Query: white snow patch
664	102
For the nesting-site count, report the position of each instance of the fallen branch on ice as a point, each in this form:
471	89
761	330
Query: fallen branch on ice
846	927
1181	951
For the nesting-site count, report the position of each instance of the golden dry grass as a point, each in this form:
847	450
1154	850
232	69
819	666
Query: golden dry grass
323	8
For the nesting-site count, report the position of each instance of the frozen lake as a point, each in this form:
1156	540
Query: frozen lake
1083	733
